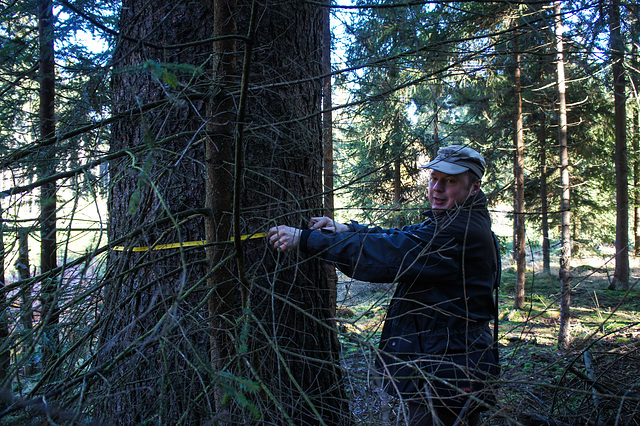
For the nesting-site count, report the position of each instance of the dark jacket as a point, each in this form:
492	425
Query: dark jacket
445	268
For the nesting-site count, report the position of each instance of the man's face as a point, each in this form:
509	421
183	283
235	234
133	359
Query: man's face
449	191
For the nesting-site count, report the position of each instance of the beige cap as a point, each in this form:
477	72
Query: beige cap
456	159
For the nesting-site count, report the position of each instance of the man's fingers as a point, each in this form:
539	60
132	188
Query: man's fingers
314	222
273	235
321	223
281	237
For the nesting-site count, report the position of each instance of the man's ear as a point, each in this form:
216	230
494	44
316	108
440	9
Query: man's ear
475	188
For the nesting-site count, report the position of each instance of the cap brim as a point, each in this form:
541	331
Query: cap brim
446	167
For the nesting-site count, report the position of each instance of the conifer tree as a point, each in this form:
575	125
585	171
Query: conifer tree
621	274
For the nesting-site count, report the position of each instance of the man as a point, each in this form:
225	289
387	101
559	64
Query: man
436	349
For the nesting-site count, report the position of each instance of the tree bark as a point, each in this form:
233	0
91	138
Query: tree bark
5	353
223	303
564	335
518	168
327	141
621	273
26	302
636	180
154	342
544	207
327	113
436	110
48	251
268	331
635	155
296	353
397	181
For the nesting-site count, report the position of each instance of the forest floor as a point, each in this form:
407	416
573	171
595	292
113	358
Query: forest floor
596	381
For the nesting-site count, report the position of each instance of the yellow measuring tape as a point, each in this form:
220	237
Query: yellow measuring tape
187	243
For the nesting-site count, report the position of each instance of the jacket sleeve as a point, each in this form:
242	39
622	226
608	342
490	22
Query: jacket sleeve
385	255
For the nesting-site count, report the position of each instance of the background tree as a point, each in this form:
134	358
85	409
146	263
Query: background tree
328	175
518	162
327	112
411	94
5	355
35	151
621	274
27	345
220	196
564	336
48	192
635	154
544	205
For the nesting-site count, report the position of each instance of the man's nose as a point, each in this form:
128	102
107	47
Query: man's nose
438	186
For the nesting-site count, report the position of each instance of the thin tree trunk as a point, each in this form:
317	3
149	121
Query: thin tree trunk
26	301
327	114
518	161
564	336
636	179
48	293
22	265
436	110
635	155
546	247
621	273
327	141
219	198
397	180
4	318
636	171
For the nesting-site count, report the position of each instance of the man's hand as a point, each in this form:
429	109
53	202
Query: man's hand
284	238
327	224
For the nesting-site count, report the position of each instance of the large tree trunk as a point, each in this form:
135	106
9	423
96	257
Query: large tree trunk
153	345
275	356
518	170
290	301
564	335
49	315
